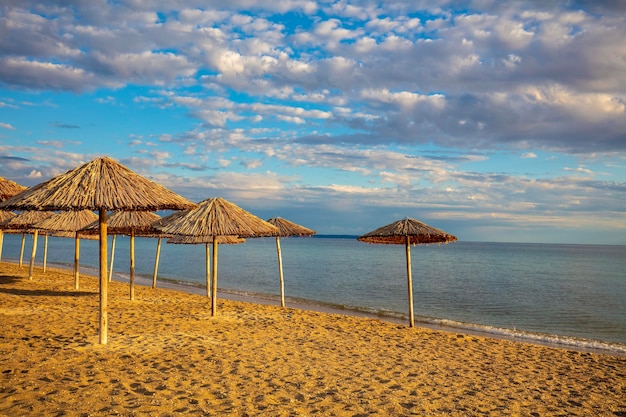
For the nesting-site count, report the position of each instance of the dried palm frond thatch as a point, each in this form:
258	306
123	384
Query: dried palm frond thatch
72	235
217	217
9	188
102	185
397	232
4	216
69	224
194	240
67	221
24	222
287	229
127	222
407	232
96	185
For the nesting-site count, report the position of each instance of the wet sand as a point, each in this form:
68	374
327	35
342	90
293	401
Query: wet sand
167	356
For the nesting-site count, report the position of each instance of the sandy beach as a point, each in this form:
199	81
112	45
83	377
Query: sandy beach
167	356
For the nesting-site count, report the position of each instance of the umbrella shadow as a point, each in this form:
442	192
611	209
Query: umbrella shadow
10	279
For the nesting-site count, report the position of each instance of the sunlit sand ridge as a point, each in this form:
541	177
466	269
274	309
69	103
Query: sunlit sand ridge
166	355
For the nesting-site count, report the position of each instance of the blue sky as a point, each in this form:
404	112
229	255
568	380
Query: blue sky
494	121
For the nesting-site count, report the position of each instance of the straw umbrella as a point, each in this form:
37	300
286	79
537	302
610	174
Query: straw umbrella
130	223
216	217
24	222
408	232
71	222
103	185
207	240
287	229
8	189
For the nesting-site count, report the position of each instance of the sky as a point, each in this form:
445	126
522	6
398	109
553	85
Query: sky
493	121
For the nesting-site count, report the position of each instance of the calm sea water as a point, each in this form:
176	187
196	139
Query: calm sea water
570	294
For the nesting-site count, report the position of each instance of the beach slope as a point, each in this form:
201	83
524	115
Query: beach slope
167	356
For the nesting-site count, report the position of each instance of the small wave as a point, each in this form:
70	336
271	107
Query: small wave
576	343
568	342
580	344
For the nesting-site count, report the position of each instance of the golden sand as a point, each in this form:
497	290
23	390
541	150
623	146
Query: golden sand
167	356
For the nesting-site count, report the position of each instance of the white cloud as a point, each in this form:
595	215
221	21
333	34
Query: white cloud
579	169
6	126
47	75
8	105
216	117
331	31
404	99
290	119
592	107
252	163
513	34
34	175
147	67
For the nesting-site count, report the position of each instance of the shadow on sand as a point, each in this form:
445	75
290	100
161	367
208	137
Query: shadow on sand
11	279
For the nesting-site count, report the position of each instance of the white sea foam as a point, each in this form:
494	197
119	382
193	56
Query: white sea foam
574	343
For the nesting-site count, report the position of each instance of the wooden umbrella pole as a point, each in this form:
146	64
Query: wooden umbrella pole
76	260
22	250
214	283
110	277
410	281
45	253
104	282
156	263
32	255
207	262
132	264
1	243
280	273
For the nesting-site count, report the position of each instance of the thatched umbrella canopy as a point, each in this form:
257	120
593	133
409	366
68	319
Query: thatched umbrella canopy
407	232
130	223
70	222
102	185
9	188
206	240
67	221
194	240
5	215
24	222
287	229
217	217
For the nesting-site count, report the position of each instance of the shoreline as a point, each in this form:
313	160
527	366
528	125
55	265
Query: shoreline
469	329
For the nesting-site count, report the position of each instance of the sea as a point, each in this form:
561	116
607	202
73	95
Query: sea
567	295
